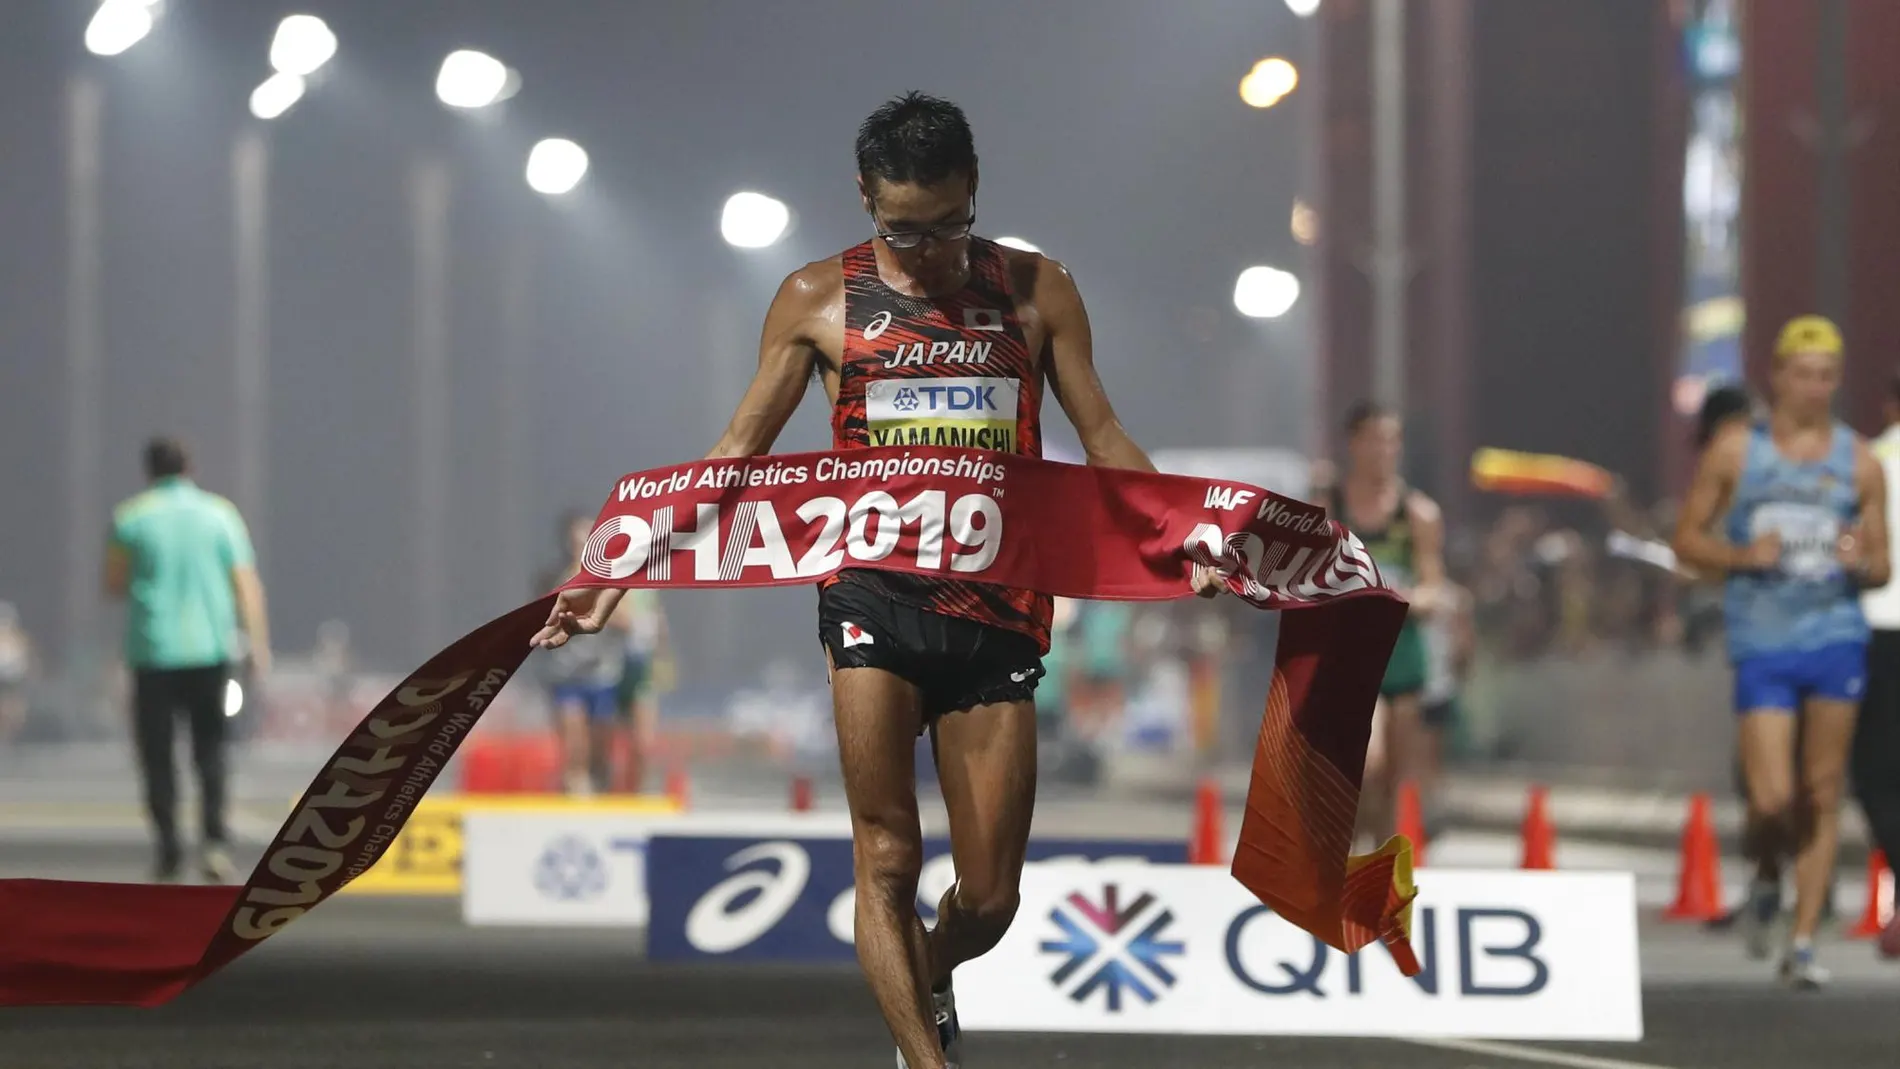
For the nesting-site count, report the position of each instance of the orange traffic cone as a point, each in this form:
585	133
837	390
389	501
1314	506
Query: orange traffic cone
678	787
1540	839
1699	883
1879	898
801	794
1208	845
1411	820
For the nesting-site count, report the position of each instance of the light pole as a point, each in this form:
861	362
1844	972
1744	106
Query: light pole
467	81
116	26
303	45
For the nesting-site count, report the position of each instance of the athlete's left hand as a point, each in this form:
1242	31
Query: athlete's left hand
1849	550
1208	582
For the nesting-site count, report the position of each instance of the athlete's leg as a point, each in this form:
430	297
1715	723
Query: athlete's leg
570	725
1827	736
603	724
878	715
1768	743
1376	794
986	766
1407	745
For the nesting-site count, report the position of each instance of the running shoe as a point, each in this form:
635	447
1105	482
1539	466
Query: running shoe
214	863
1799	971
943	1005
1757	916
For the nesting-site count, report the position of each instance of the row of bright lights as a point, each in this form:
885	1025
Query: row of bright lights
468	80
304	45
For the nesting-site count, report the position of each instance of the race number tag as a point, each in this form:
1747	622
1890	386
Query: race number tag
1810	537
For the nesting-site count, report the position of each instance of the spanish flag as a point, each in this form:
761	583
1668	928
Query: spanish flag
1507	471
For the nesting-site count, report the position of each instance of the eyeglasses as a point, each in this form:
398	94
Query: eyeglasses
910	239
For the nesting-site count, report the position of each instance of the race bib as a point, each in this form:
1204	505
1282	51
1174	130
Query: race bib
969	413
1810	538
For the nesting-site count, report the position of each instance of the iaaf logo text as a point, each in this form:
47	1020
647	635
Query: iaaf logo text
1227	498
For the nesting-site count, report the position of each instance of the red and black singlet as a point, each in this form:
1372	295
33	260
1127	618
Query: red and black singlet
950	371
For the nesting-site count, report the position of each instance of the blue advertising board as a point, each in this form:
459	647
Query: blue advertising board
741	898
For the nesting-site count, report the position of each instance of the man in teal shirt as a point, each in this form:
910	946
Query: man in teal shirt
181	558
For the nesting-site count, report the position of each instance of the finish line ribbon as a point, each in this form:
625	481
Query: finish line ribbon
793	520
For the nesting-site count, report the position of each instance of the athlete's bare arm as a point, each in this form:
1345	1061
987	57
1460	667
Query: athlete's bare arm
804	329
1069	352
1069	356
1428	552
1696	544
1868	552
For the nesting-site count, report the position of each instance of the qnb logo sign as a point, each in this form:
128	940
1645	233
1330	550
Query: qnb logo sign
1108	948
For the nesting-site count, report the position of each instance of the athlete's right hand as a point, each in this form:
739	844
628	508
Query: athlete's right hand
1763	554
577	612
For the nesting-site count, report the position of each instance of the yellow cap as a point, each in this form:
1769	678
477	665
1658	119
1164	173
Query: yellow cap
1809	334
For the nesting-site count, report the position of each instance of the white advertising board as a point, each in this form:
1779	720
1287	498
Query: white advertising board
1187	950
551	869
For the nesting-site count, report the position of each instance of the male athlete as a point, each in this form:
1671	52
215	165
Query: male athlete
890	326
1404	532
1802	505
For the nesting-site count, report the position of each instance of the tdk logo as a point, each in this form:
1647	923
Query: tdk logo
951	398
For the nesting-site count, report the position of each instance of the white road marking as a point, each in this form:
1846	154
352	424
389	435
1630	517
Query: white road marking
1520	1053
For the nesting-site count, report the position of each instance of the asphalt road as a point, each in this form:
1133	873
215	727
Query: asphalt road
374	983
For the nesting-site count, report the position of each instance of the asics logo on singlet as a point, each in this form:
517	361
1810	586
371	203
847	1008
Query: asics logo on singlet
879	323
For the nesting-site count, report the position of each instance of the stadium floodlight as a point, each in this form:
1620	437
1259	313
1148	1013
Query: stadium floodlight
555	166
118	25
1269	82
471	80
302	46
1302	8
1265	292
753	220
276	95
1018	243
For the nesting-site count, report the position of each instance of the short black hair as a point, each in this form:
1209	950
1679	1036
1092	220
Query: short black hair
1362	413
915	138
165	457
1718	407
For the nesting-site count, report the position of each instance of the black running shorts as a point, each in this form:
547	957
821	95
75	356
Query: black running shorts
956	663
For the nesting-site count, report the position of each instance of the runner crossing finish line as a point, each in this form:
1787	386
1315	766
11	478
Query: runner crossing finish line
1059	529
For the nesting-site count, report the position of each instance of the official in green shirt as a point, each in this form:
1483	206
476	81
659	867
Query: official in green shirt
181	559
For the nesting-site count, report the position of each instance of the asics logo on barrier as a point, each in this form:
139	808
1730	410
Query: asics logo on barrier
767	881
744	906
570	869
1111	949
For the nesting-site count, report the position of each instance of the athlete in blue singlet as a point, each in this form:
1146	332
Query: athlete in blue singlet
1792	511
